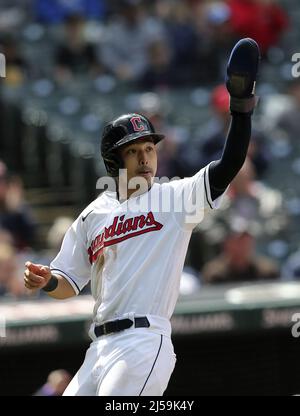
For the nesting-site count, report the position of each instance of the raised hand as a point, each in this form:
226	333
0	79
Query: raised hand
241	75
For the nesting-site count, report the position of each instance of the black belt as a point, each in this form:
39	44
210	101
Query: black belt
120	325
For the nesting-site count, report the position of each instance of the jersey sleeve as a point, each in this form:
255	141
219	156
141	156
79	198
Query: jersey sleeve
72	262
193	199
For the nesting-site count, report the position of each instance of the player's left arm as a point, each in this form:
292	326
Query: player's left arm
240	82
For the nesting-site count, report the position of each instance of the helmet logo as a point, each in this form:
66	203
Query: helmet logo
137	123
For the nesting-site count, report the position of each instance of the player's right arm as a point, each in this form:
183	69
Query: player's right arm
241	78
206	187
38	276
69	272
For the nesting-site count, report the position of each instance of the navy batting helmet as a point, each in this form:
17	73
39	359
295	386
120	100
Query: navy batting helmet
122	130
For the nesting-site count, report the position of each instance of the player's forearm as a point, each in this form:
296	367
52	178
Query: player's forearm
222	171
63	288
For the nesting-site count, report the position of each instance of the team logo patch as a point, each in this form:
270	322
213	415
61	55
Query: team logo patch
121	230
137	123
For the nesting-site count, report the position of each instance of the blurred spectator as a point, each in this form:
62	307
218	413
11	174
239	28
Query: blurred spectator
238	261
200	250
75	55
10	283
14	213
289	121
246	201
215	41
56	384
255	202
291	268
263	20
57	233
55	237
214	134
159	73
183	42
6	237
6	267
17	69
55	11
13	14
128	37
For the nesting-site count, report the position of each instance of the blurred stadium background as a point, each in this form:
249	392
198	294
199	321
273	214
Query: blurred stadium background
71	66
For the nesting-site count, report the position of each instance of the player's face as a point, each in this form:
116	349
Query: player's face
140	159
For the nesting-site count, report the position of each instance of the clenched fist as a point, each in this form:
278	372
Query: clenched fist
36	276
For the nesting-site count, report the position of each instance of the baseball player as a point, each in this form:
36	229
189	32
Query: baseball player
133	253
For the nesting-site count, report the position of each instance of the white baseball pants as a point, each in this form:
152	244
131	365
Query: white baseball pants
133	362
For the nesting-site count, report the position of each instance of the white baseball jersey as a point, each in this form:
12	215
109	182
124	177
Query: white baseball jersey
134	251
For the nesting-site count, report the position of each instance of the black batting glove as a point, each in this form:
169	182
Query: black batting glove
241	76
